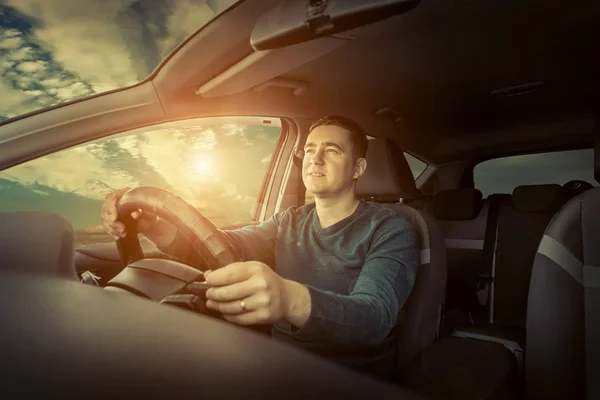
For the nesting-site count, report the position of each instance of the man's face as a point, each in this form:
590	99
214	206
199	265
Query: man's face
329	167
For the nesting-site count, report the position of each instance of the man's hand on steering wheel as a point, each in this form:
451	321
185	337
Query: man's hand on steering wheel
249	293
147	224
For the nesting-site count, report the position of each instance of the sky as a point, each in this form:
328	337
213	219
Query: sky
53	51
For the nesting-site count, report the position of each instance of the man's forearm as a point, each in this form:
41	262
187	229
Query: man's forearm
299	304
357	320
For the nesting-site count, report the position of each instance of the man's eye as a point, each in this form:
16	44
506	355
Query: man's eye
334	151
308	151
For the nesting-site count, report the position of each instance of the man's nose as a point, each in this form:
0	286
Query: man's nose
317	157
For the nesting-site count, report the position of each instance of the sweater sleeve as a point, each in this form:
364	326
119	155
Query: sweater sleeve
252	243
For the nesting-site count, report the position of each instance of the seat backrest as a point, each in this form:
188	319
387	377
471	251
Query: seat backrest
563	318
562	357
38	242
388	179
461	215
521	224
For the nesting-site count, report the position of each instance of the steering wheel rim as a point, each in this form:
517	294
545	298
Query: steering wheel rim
212	246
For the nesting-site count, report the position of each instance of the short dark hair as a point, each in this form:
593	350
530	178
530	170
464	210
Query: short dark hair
358	137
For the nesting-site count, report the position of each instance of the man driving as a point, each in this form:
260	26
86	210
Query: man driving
330	276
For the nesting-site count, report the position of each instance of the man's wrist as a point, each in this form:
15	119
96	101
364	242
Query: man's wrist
299	305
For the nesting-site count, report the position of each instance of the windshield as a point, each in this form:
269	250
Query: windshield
54	51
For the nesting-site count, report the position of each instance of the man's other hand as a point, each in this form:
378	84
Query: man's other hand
249	293
147	224
110	215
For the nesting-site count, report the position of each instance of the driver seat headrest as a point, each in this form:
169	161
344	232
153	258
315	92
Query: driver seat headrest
388	177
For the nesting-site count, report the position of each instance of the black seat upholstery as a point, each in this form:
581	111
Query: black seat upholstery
38	242
388	179
464	367
461	215
563	319
522	219
521	224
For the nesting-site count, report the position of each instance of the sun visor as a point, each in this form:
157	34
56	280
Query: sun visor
264	67
297	21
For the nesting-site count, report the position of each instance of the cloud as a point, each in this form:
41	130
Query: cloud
184	19
31	66
10	39
72	91
11	43
53	82
14	101
8	33
22	54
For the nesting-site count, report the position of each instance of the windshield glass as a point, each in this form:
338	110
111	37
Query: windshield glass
54	51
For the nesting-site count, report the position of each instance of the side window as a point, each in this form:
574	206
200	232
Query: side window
216	164
502	175
416	166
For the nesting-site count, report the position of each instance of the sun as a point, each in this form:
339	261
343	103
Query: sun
202	165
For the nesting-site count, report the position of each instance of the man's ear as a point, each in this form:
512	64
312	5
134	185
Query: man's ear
359	168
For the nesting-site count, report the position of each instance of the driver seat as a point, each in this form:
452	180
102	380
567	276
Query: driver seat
389	180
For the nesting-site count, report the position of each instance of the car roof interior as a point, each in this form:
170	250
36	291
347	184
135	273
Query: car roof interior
452	82
449	81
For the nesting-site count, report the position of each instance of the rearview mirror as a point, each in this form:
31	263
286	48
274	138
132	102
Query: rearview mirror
296	21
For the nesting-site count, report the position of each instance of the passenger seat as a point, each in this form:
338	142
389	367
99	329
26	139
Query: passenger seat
37	242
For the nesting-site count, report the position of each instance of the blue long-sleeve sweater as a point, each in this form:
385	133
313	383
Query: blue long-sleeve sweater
358	271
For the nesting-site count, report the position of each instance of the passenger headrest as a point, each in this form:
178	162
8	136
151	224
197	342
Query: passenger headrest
575	187
388	177
459	204
538	198
38	242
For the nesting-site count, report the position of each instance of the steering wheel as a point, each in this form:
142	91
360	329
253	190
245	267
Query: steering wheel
157	279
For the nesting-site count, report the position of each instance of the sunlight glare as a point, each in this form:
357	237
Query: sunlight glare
203	166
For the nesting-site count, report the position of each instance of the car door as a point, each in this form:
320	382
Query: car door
224	166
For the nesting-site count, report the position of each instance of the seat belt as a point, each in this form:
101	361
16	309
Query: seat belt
485	278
